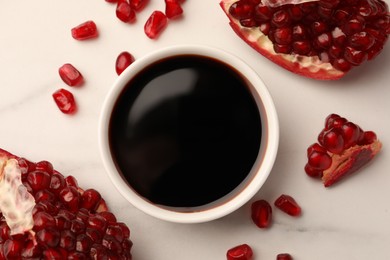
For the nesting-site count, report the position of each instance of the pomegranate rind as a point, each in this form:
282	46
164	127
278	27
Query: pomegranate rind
350	161
310	67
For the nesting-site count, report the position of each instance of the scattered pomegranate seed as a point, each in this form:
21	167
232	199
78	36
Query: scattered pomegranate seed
70	75
241	252
138	5
124	12
261	213
84	31
173	9
65	101
284	256
123	60
288	205
155	24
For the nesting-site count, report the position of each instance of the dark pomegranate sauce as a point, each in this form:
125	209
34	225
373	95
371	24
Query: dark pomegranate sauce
185	131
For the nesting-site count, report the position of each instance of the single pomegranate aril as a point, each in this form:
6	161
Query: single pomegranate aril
70	75
261	213
317	39
123	60
173	9
62	222
288	205
155	24
85	31
138	5
241	252
124	12
284	256
347	147
65	101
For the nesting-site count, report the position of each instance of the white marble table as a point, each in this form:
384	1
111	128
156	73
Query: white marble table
347	221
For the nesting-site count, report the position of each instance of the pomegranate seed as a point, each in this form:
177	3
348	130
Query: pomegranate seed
283	35
85	31
48	236
173	9
138	5
284	256
355	57
38	180
43	220
65	101
83	243
70	197
12	248
123	60
124	12
319	160
241	252
70	75
90	199
368	138
288	205
261	213
242	9
310	171
155	24
333	141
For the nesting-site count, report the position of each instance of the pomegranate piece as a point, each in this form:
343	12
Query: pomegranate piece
241	252
317	39
284	256
261	213
70	75
85	31
287	204
55	228
65	101
155	24
343	148
124	12
123	61
173	9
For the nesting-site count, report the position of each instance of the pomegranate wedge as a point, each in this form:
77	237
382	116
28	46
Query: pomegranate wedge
44	215
320	39
342	149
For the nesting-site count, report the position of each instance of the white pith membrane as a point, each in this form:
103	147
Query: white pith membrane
255	37
16	203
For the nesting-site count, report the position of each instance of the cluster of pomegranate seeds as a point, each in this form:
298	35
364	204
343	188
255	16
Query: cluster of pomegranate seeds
85	31
284	256
123	61
126	11
155	24
65	101
240	252
70	75
343	147
69	223
287	204
343	33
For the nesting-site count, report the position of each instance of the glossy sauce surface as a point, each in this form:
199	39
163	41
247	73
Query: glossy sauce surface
185	131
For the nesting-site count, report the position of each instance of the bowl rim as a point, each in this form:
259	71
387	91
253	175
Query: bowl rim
262	167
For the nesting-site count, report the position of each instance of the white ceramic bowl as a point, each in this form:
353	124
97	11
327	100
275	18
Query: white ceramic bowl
260	170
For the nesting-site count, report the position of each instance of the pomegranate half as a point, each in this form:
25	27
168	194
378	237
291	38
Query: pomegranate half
320	39
44	215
